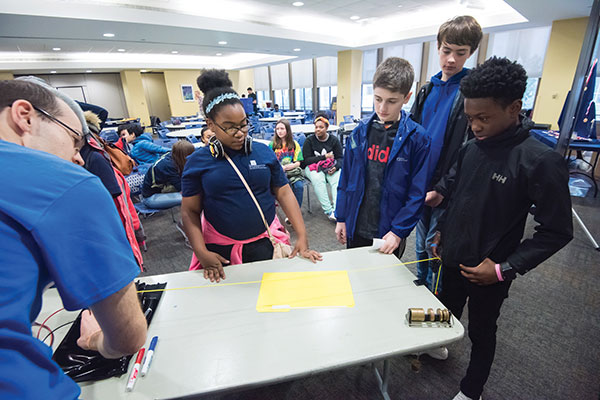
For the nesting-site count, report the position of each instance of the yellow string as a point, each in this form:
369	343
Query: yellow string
252	282
437	281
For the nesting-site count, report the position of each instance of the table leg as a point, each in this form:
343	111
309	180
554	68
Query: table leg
383	381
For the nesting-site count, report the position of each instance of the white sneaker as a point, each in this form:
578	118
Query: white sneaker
462	396
287	221
331	216
439	353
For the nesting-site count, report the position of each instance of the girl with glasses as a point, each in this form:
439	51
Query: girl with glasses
220	218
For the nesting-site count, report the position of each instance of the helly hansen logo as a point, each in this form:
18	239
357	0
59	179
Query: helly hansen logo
499	178
376	154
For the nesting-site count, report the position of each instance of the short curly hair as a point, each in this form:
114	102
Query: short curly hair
498	78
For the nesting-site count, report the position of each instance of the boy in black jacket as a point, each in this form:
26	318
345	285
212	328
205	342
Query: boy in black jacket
499	175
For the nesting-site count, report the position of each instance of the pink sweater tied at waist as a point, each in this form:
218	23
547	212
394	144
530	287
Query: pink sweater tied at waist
211	236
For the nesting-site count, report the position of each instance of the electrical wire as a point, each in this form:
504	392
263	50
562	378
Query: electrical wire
48	329
46	320
57	328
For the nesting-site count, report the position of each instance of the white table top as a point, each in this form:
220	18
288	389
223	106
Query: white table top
310	128
213	339
275	119
183	133
293	113
183	125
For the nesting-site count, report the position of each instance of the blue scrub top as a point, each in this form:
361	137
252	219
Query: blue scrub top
57	224
226	202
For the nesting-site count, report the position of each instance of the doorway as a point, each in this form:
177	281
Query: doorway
155	91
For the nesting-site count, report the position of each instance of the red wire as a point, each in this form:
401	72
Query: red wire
46	320
48	329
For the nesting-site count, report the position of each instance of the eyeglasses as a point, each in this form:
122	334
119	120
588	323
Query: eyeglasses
233	130
58	121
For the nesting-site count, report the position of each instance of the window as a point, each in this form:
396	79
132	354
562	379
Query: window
326	95
282	98
303	99
528	48
409	105
262	96
530	93
367	97
369	67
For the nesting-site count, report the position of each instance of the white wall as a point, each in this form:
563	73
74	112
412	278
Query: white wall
104	90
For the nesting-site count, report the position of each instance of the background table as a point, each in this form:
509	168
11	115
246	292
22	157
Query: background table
293	113
275	119
183	133
212	339
310	128
183	125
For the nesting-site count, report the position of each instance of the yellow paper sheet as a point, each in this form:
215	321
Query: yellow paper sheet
282	291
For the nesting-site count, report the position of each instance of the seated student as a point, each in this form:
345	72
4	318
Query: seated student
220	218
98	163
205	135
289	155
322	163
143	149
499	175
162	183
384	178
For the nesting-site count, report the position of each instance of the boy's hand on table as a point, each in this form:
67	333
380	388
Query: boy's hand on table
484	274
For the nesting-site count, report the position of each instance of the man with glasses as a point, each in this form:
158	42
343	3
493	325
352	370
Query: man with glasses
59	226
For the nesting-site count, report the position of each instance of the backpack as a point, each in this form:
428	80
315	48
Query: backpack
120	160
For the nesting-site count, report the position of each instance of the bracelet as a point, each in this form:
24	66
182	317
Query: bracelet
499	273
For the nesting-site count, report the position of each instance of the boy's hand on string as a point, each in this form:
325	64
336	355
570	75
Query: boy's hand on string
340	232
391	243
213	266
433	199
436	244
484	274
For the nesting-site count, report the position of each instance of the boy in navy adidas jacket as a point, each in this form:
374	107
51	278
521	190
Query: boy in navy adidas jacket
384	176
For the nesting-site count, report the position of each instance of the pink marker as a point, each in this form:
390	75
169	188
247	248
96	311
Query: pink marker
135	370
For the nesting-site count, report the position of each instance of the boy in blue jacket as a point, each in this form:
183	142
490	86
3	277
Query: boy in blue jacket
439	108
384	175
143	150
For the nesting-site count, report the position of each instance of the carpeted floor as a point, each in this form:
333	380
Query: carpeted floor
548	334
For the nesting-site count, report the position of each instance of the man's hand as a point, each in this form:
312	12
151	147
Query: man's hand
89	331
340	232
484	274
329	155
213	266
331	170
433	199
391	243
436	244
